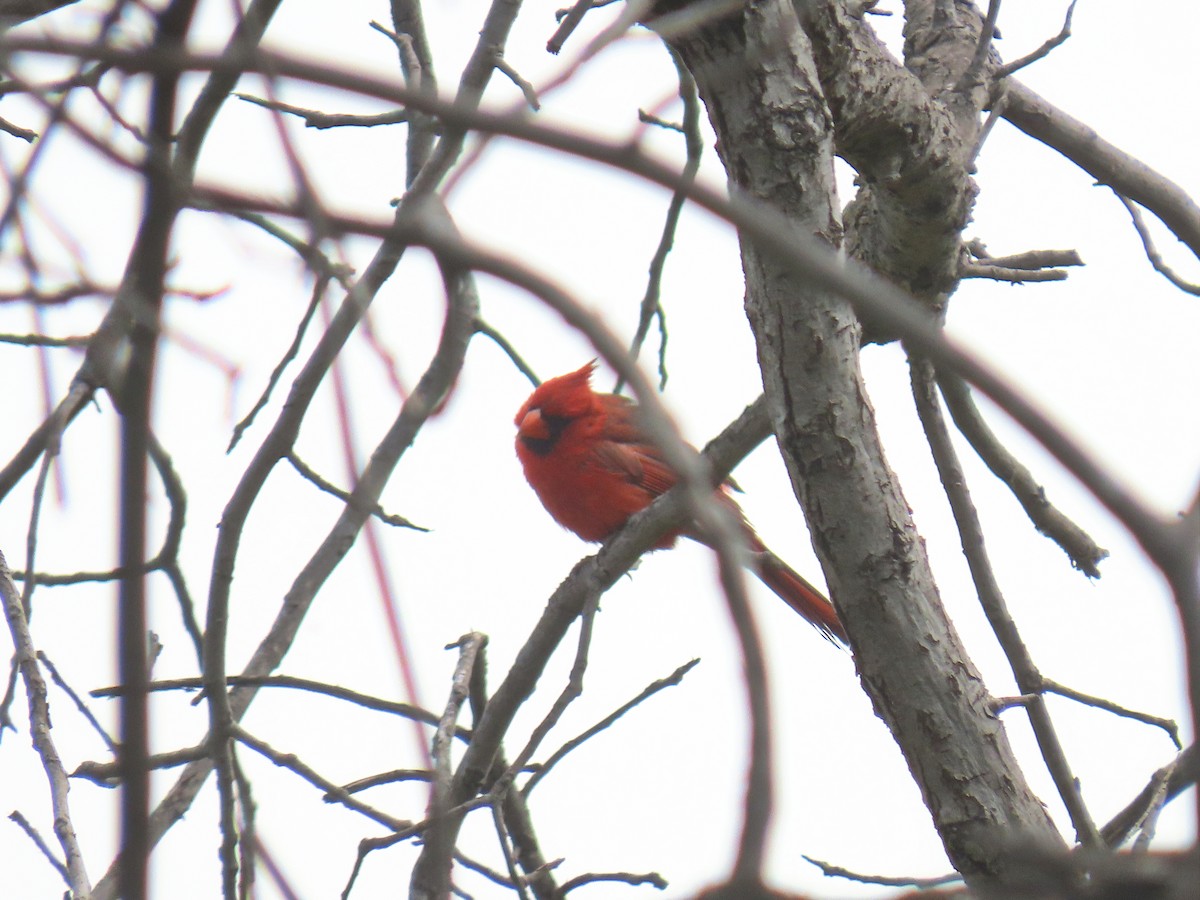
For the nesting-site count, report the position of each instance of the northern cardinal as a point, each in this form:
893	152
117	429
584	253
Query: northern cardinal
592	466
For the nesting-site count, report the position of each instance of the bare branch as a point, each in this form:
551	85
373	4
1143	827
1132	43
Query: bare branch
1000	704
527	89
78	701
1016	276
1152	253
482	327
1083	552
314	118
1105	162
1035	265
108	774
24	134
873	298
39	726
568	21
345	496
366	701
329	789
970	531
1028	261
393	777
1041	52
516	817
1178	775
543	770
973	74
290	354
631	878
515	880
912	881
652	307
1152	538
570	693
440	838
42	340
41	844
1167	725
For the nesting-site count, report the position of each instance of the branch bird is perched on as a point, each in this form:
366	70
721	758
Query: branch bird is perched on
592	466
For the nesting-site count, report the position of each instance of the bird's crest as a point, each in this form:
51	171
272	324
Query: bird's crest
566	396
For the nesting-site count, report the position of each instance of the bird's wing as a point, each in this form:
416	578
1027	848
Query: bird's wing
625	448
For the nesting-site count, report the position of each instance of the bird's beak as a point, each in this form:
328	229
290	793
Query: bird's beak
533	427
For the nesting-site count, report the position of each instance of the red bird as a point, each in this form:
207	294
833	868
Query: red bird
592	466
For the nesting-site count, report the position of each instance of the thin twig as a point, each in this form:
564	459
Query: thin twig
108	774
1152	253
392	777
1015	276
42	340
1178	775
516	881
318	291
64	579
366	701
1149	823
370	845
972	76
1085	554
39	727
482	327
1000	704
571	692
41	844
314	118
527	89
650	690
249	844
1027	261
633	879
832	871
345	496
1034	265
1168	725
1041	52
35	513
167	558
658	122
328	788
78	701
995	113
486	871
651	306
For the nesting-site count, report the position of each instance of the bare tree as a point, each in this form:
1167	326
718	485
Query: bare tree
789	90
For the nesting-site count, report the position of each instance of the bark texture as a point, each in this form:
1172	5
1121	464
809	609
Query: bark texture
782	100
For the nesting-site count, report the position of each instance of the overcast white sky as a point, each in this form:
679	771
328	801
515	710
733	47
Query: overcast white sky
1110	352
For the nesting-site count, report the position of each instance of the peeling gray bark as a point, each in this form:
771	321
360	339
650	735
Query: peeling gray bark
909	135
779	104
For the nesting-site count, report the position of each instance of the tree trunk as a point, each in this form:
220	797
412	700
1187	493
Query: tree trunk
770	96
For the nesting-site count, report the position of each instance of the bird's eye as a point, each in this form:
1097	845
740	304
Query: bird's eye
540	431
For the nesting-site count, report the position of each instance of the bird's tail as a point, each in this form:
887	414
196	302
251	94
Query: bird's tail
797	593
